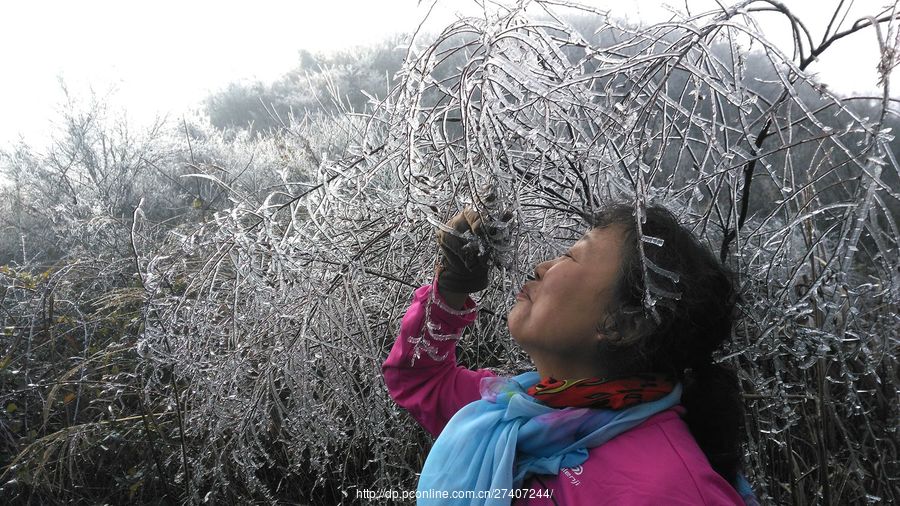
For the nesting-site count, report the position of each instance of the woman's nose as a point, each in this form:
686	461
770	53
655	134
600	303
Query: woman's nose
541	268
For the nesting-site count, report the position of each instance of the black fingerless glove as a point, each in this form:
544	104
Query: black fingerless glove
465	259
476	241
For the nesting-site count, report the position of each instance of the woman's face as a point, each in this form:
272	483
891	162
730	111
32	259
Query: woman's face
556	316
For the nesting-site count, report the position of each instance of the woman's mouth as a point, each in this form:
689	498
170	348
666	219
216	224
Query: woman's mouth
523	294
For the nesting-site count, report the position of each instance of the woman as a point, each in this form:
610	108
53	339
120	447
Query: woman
626	405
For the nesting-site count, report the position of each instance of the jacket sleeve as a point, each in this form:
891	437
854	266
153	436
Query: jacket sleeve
421	372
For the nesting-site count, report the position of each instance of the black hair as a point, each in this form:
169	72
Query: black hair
680	338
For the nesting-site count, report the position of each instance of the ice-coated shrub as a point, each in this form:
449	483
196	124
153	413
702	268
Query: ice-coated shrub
276	314
266	310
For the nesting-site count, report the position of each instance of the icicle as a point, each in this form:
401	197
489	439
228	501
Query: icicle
673	276
649	239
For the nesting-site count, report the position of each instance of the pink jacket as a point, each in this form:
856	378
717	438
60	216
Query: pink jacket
657	462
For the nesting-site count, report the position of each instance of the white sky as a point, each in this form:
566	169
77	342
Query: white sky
165	56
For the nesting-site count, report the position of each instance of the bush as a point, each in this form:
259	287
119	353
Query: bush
221	342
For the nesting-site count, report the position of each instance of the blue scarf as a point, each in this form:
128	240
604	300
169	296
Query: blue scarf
496	442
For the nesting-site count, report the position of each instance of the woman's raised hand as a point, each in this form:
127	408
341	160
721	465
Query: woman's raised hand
465	261
466	249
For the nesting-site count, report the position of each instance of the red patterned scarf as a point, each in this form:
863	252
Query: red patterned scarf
600	393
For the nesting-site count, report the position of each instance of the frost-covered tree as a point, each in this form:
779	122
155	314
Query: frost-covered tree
264	325
287	309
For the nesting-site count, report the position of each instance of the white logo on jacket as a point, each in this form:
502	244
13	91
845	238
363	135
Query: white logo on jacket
571	473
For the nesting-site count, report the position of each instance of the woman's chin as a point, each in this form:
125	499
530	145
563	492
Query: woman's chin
513	317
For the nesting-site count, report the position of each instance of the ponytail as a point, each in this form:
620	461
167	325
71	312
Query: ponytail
715	415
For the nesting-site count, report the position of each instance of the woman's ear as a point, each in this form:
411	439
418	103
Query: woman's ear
625	331
606	330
